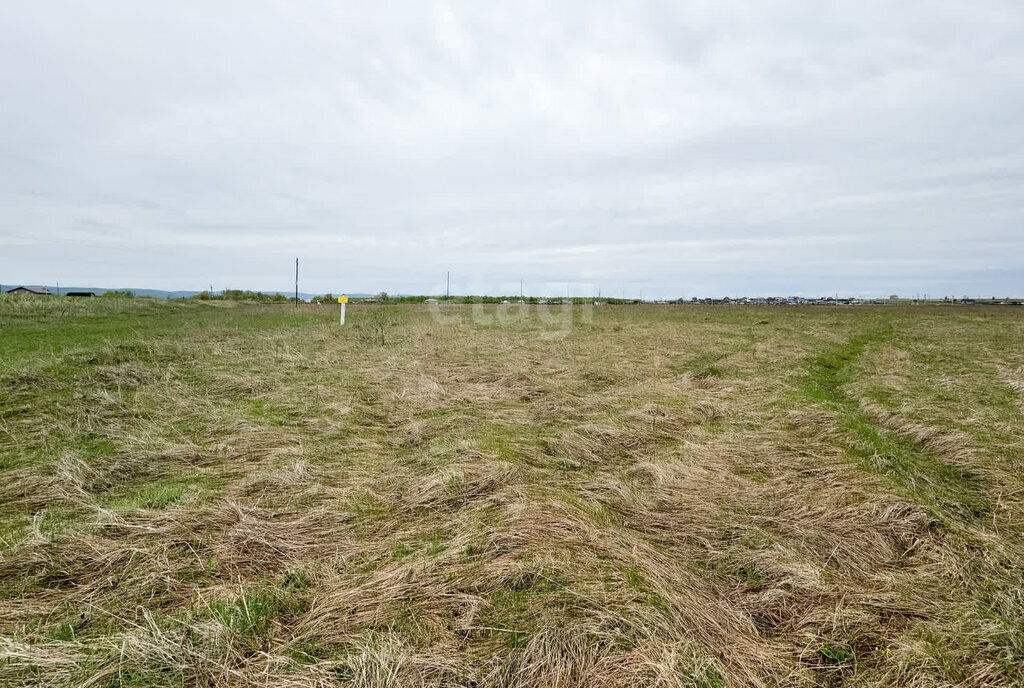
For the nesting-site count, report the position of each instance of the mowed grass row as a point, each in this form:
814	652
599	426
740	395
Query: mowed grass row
225	494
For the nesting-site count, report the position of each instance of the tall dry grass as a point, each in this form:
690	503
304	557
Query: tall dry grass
655	498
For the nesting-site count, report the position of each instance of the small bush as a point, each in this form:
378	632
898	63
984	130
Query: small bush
375	326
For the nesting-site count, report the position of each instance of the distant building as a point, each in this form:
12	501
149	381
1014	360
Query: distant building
81	293
40	291
430	301
894	297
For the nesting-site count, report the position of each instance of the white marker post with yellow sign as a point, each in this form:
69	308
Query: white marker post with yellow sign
342	300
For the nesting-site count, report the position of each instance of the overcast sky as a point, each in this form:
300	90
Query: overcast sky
682	148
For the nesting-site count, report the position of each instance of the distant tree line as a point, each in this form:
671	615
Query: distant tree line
243	295
385	298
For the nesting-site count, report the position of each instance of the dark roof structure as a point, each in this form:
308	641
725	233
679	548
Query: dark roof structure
42	291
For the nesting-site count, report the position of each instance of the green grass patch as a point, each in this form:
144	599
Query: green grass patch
156	495
920	473
254	612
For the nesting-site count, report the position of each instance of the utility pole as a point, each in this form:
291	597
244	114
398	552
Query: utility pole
448	285
520	289
296	283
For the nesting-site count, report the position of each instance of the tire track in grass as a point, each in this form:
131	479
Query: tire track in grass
921	474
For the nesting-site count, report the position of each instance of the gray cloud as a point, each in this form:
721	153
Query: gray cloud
681	148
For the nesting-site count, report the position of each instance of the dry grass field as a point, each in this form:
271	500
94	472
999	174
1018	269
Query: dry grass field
236	495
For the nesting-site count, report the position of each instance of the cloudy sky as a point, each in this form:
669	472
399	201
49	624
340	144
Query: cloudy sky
682	148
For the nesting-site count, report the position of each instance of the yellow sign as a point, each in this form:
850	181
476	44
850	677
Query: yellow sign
342	299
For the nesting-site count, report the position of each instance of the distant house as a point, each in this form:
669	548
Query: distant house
81	293
431	301
40	291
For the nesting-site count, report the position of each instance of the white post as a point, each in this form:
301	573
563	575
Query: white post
343	299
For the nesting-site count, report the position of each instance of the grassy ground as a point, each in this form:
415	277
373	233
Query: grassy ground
220	494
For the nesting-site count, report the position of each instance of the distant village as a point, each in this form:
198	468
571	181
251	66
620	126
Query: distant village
840	301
